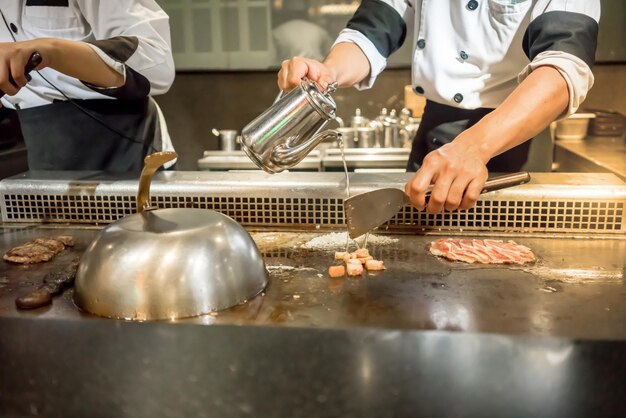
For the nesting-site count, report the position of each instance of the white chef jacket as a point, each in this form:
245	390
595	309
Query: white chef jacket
131	36
472	54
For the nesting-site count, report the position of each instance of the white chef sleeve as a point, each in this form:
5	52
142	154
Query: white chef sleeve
563	34
378	28
132	37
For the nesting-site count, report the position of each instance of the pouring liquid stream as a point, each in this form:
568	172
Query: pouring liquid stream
342	146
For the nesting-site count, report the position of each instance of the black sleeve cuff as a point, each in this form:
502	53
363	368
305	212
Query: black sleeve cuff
381	24
574	33
136	87
120	49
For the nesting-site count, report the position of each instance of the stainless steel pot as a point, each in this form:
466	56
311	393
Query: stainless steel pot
168	263
349	136
228	139
286	132
366	137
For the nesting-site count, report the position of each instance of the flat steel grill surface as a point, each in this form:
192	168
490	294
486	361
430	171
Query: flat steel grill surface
550	204
576	288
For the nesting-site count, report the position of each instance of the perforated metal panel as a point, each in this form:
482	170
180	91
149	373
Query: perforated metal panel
298	204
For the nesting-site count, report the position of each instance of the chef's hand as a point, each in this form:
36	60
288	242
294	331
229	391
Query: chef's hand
14	57
292	71
457	172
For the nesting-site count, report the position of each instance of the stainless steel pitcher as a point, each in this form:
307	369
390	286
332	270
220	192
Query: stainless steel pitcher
286	132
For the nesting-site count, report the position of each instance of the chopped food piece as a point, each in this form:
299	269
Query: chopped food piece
364	259
362	253
486	251
336	271
374	265
354	261
38	250
341	255
355	269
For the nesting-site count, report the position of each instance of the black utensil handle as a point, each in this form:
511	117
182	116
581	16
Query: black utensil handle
507	180
33	62
499	182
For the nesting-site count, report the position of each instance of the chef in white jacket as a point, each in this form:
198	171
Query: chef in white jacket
88	104
494	72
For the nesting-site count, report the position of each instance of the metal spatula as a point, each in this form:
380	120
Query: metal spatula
367	211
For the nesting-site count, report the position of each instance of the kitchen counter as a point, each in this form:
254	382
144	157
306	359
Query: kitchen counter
594	154
103	368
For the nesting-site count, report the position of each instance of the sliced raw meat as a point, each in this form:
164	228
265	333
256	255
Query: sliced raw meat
486	251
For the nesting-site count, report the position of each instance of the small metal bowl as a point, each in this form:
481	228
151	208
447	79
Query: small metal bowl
169	264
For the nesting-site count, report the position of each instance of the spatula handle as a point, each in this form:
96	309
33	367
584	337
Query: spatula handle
500	182
507	180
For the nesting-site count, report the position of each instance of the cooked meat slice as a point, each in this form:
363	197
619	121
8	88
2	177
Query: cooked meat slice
374	265
67	240
38	250
29	253
336	271
52	244
482	251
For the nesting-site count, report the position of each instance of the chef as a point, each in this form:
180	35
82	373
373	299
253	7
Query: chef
88	104
495	73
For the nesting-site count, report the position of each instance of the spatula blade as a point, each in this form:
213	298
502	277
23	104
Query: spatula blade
369	210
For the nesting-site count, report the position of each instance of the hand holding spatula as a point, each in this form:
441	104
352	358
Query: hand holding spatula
369	210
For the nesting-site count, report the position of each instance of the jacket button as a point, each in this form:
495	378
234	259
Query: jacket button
421	44
463	55
419	89
472	4
13	27
458	97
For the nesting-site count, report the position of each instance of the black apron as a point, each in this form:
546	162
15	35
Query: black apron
10	133
62	136
441	124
